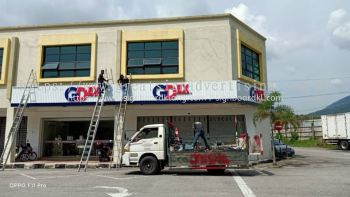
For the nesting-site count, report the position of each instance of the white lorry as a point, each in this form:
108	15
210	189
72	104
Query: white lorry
336	129
154	147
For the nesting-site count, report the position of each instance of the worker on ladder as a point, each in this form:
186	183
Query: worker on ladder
123	82
101	83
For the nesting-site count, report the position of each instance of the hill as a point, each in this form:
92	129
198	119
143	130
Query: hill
340	106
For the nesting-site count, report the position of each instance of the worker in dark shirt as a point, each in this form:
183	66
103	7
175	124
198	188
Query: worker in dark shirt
123	81
101	83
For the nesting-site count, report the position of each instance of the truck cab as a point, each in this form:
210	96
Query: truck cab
151	149
146	148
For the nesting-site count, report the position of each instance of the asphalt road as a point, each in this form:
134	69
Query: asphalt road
313	172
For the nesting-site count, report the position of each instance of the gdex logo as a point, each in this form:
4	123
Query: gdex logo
80	94
256	94
169	91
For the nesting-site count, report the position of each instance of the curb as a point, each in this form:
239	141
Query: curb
54	166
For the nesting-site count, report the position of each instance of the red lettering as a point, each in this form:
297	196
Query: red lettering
209	159
195	159
222	159
259	94
92	91
172	92
82	94
185	89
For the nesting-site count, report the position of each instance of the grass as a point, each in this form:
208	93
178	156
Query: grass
309	143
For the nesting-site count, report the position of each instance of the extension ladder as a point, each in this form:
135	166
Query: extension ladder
28	91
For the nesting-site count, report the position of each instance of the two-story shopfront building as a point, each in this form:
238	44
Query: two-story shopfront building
184	69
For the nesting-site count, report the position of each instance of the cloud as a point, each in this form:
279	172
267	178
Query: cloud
339	26
336	81
29	12
276	44
243	13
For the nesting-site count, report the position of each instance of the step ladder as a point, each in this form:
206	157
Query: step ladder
28	91
119	127
90	137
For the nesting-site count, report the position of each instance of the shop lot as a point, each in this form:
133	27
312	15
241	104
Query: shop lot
313	172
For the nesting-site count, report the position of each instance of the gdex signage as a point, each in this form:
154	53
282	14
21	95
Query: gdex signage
80	94
256	94
186	92
170	91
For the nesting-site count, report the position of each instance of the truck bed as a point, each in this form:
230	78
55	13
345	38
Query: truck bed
212	159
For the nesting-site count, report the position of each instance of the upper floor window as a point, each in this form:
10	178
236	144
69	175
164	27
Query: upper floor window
66	61
159	57
1	58
250	63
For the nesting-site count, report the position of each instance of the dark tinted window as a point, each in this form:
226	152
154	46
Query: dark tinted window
250	63
66	61
161	57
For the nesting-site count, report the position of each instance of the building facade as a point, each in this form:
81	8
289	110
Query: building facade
185	69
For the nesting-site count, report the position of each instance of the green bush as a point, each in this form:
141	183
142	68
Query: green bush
294	136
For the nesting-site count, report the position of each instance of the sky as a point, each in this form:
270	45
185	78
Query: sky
308	41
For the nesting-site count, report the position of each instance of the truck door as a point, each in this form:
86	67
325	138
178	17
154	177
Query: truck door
332	126
341	126
146	141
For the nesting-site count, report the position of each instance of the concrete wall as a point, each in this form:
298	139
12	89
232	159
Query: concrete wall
210	51
207	54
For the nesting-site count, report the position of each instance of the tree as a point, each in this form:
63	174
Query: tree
265	110
286	115
268	109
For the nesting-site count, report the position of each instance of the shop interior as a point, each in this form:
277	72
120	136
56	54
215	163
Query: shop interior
63	138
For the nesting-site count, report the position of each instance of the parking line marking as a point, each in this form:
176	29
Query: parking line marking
116	177
246	191
52	177
28	176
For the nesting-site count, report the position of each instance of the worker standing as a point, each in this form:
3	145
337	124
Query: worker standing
101	83
199	132
123	81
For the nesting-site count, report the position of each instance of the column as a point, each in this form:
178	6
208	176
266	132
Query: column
11	147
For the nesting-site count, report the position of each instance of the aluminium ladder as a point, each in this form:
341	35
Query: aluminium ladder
119	127
27	92
90	137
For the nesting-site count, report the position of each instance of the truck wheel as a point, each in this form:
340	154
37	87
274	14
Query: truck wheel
344	145
149	165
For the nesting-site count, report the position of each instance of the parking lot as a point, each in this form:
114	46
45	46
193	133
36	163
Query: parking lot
313	172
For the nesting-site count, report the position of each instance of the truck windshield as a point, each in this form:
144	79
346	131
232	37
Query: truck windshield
147	133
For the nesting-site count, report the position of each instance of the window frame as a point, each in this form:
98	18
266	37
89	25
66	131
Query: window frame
56	65
243	46
258	46
150	36
161	57
65	40
5	45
